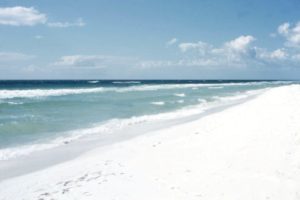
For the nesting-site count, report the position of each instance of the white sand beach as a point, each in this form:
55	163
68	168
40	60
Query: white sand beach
250	151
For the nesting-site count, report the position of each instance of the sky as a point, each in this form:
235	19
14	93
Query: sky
149	39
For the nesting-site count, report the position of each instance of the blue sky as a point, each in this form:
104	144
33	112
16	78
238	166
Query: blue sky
139	39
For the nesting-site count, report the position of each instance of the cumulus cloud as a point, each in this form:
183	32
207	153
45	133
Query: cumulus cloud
21	16
290	33
240	44
172	41
278	54
274	56
238	52
78	23
283	29
233	52
29	16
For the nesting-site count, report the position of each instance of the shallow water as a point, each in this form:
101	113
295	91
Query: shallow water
43	114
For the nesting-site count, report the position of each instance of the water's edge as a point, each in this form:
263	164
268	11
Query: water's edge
43	159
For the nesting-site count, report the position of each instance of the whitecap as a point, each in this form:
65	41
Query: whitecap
179	94
93	82
158	103
126	82
230	98
215	87
33	93
15	103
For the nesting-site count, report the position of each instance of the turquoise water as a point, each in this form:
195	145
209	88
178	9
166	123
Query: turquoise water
44	112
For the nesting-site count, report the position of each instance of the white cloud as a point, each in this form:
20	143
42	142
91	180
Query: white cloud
29	16
78	23
12	56
196	62
93	61
199	46
291	34
278	54
283	29
239	52
172	41
233	53
240	44
273	56
21	16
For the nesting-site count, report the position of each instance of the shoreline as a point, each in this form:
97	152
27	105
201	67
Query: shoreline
247	151
49	157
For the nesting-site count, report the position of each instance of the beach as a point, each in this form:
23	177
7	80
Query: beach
247	151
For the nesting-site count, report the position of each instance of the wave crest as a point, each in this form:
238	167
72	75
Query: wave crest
33	93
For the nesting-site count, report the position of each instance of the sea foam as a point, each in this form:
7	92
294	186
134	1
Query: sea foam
179	94
93	82
33	93
158	103
126	82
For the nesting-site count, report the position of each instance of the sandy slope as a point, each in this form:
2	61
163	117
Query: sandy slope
250	151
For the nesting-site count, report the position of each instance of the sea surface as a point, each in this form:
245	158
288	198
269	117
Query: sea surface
38	115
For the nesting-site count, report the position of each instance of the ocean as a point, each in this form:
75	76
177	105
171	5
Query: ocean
39	115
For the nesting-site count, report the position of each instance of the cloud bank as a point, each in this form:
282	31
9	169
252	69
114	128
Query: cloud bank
239	52
189	57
